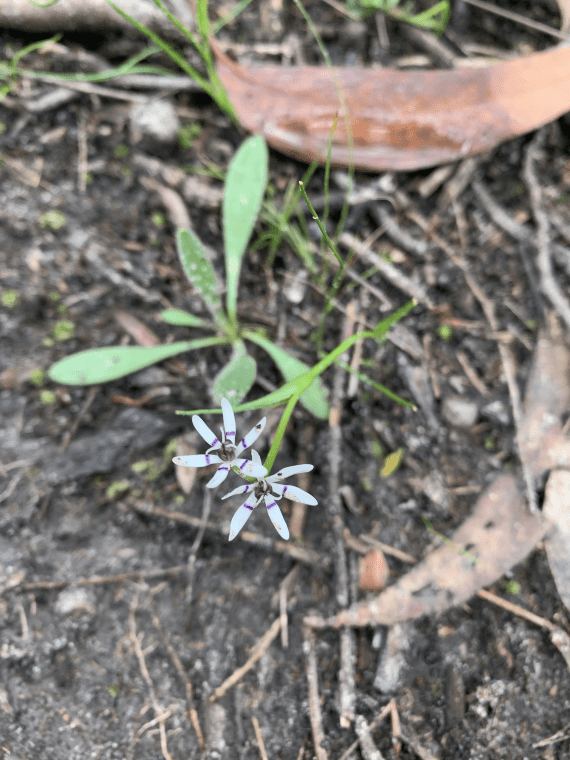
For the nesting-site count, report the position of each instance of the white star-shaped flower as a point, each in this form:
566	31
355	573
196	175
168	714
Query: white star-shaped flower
266	488
225	452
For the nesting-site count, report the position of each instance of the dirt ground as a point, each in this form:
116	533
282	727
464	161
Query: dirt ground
124	608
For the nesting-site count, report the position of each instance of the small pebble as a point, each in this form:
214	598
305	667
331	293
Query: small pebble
154	126
459	411
373	571
75	601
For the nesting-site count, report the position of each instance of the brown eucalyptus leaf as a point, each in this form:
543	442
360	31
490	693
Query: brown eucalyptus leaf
557	509
541	442
399	120
499	534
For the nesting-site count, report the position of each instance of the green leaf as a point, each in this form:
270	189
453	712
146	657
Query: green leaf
244	190
236	378
200	271
181	317
314	398
100	365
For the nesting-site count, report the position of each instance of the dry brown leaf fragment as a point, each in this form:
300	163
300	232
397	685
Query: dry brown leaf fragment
499	534
399	120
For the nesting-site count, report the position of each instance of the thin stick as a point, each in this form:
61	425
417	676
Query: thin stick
385	711
101	580
192	712
313	694
369	750
307	556
259	738
517	610
160	714
258	651
548	281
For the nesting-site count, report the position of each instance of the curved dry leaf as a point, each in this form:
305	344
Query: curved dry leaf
542	445
557	510
499	534
400	120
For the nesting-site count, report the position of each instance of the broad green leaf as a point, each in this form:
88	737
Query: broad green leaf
243	193
200	271
236	378
314	398
181	317
100	365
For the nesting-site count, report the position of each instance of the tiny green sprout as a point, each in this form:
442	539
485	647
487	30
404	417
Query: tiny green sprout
490	443
158	219
512	587
127	171
2	127
392	462
48	342
142	466
48	398
63	330
37	377
562	200
445	332
170	450
366	484
531	324
117	488
187	135
88	178
61	309
179	499
10	298
113	690
122	151
52	220
377	449
54	296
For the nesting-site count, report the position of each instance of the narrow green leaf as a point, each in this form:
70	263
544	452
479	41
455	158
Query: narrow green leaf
181	317
100	365
236	378
314	398
381	329
244	190
200	271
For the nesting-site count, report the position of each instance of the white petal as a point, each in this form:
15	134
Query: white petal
220	476
276	517
197	460
294	493
255	457
252	469
229	421
210	437
286	472
240	489
241	517
252	436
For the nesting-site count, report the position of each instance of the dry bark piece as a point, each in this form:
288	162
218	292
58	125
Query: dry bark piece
499	534
541	442
79	16
557	510
400	120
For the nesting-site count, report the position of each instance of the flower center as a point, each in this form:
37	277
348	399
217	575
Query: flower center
227	452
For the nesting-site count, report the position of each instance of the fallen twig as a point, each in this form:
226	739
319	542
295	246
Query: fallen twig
258	650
